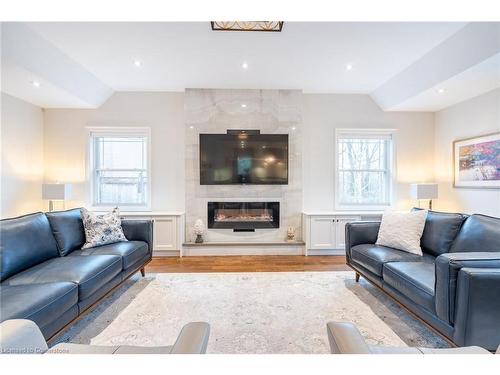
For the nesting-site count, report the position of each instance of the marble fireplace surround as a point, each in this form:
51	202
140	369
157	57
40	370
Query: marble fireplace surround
271	112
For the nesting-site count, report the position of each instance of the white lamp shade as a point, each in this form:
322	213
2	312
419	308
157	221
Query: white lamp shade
424	191
56	191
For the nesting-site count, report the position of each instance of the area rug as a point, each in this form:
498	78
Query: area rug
272	312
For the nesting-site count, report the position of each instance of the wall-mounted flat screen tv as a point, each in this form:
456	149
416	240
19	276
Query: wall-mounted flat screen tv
229	159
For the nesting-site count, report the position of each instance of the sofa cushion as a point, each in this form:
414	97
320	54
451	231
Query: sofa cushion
43	303
67	227
102	229
372	257
89	272
130	252
415	280
478	233
440	230
402	230
24	242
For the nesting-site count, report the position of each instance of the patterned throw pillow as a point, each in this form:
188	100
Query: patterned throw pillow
402	230
102	229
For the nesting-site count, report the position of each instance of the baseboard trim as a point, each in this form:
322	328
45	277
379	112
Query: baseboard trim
326	252
243	250
166	253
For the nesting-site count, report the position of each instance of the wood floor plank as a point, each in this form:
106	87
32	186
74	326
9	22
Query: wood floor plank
248	263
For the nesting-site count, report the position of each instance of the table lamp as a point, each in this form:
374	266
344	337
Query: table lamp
56	192
424	191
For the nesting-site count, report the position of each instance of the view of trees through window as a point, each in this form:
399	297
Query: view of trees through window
363	170
120	170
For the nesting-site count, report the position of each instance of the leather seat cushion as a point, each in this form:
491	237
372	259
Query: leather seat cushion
130	251
68	230
42	303
479	233
415	280
440	230
24	242
373	257
89	272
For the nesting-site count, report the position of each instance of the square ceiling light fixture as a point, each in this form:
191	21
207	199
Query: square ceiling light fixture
273	26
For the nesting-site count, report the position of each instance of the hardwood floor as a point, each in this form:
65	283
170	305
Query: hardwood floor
247	263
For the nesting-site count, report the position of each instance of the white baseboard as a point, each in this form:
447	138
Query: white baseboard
166	253
326	252
242	250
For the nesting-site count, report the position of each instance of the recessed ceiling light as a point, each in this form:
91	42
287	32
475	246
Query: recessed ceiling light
35	83
137	63
191	127
293	128
243	105
348	67
244	65
441	91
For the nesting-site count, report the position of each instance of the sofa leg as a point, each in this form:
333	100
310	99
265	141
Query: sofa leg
143	272
357	277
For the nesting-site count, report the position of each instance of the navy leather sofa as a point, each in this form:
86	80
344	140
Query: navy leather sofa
47	278
454	287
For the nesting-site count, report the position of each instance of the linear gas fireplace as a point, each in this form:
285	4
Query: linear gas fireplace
243	216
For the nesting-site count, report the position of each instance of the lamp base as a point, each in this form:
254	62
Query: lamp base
52	204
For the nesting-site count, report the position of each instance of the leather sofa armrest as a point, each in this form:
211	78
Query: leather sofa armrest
21	336
358	233
478	308
345	338
139	230
192	339
447	269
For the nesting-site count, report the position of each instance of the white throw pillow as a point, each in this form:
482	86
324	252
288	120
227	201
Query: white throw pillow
402	230
102	229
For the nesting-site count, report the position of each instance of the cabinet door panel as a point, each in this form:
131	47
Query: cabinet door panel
165	234
340	230
322	233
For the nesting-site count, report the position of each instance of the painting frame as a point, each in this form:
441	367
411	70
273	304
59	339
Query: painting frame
472	141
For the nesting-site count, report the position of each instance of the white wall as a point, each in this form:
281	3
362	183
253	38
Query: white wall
477	116
65	141
22	157
323	113
420	145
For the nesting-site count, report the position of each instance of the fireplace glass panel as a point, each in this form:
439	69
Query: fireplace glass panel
243	215
250	215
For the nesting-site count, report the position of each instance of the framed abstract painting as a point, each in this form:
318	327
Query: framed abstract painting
476	162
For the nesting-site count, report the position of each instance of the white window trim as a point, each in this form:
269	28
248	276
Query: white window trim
392	161
116	131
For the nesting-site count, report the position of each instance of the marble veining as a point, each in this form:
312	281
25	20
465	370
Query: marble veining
270	111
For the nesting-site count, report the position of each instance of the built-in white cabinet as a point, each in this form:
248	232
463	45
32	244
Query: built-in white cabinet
324	233
168	230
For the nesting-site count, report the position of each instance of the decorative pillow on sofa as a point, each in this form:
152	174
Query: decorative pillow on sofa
402	230
102	229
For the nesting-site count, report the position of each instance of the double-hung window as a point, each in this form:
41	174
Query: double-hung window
364	169
119	167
